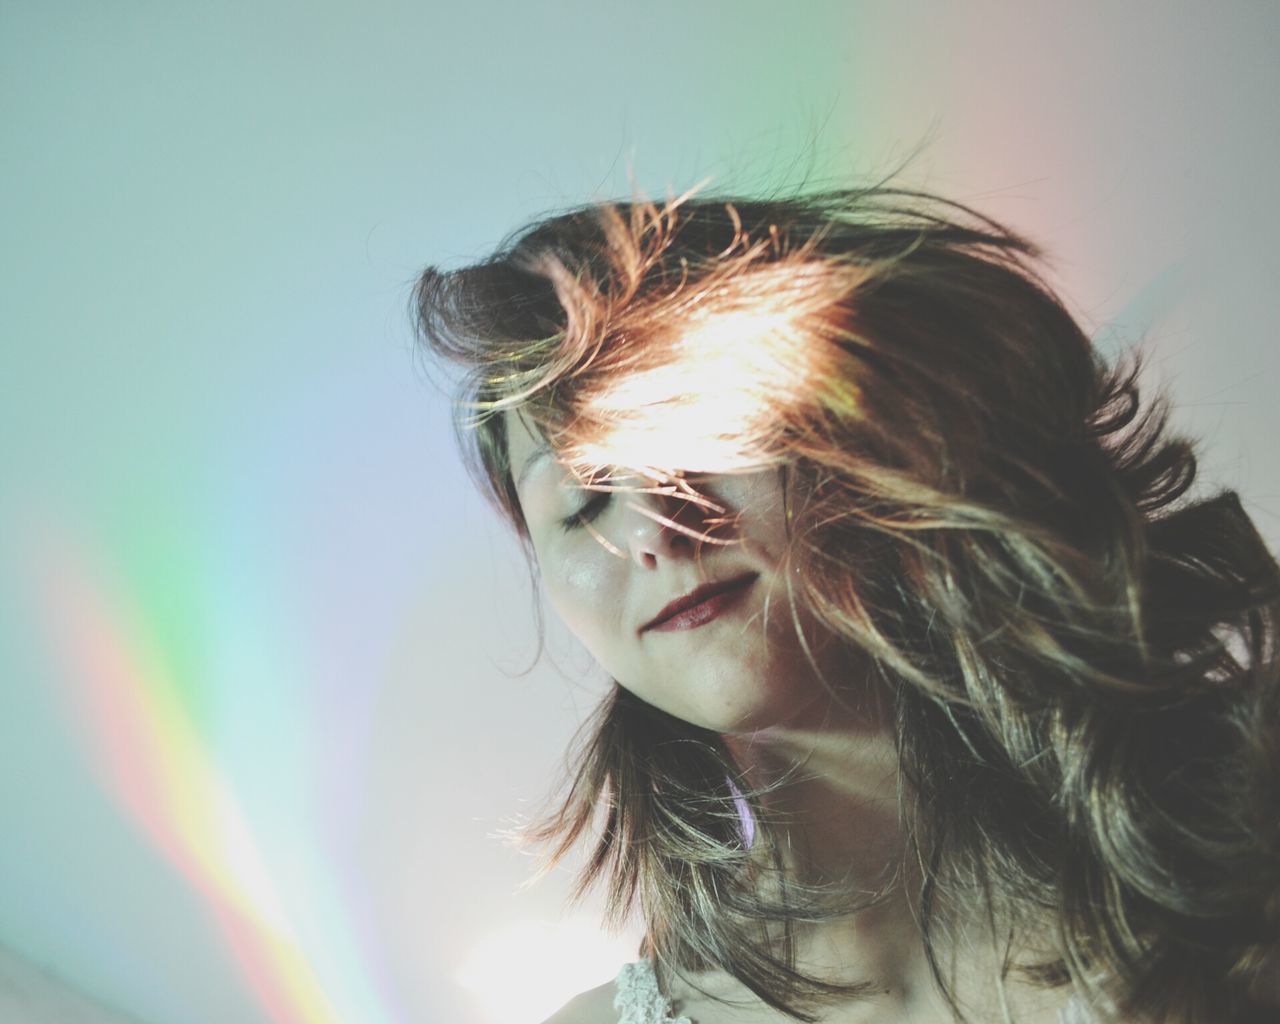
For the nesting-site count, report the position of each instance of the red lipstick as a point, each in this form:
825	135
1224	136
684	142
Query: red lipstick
700	606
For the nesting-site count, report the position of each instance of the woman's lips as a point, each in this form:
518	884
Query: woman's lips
701	605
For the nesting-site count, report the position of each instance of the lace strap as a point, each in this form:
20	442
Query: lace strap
638	998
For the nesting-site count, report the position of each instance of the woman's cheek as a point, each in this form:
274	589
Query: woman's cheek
588	598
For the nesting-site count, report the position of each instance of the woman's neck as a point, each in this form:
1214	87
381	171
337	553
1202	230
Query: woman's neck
832	786
831	796
834	789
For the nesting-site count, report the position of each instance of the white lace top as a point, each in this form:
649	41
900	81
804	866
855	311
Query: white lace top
639	1000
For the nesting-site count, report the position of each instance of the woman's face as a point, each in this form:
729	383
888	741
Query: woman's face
731	664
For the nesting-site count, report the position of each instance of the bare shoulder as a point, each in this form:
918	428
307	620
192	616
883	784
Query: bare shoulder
595	1006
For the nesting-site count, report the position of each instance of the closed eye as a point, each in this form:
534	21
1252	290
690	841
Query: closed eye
592	508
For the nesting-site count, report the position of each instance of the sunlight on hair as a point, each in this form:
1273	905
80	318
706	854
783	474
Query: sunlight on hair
524	971
714	399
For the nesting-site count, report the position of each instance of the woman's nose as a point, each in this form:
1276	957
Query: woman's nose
660	527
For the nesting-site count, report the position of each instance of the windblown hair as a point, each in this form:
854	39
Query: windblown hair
1082	659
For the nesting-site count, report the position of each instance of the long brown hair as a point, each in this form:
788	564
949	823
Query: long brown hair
1083	659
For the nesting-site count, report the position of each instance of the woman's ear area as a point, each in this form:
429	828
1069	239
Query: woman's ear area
496	468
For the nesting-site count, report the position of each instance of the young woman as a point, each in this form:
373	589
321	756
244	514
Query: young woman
937	698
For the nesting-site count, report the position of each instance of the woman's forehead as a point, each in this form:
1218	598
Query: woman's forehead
522	435
525	444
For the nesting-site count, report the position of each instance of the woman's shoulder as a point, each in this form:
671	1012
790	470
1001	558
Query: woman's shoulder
595	1006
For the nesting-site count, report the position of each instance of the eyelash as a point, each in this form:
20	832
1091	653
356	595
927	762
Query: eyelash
592	508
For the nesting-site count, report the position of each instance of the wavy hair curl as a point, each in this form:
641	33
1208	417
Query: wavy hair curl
1083	659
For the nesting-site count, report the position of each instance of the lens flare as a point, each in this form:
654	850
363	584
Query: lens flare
156	762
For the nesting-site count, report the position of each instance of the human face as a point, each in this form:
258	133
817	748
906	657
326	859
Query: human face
732	665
